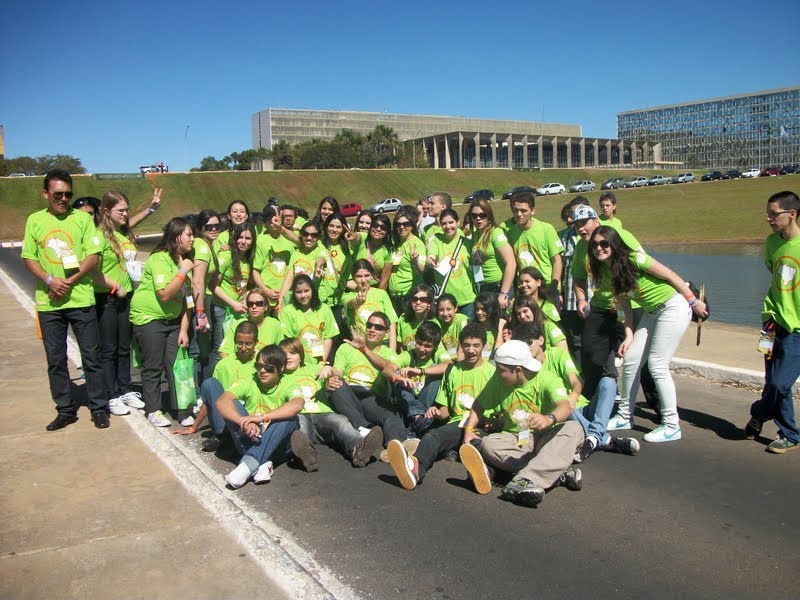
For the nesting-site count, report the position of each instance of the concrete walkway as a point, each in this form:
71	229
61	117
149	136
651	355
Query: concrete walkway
91	513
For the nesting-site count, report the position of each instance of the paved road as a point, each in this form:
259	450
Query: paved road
710	516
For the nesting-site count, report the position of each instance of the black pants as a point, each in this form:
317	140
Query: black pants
436	444
598	344
115	342
158	346
361	407
572	326
54	326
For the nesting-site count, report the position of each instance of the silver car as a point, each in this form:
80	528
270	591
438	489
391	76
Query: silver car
387	204
582	186
659	180
636	182
683	178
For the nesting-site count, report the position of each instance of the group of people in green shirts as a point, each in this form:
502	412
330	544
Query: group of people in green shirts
412	339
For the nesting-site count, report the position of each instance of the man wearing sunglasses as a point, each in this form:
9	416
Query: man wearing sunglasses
261	416
362	393
61	246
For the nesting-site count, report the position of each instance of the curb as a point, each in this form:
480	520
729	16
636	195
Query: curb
721	374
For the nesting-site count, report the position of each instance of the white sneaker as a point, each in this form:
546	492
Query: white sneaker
117	407
662	433
264	472
239	476
616	423
158	419
187	421
132	399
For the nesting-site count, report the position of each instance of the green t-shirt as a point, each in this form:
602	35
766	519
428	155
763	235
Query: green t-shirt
549	311
537	246
311	327
336	264
650	291
306	262
559	362
539	395
112	265
486	255
461	283
270	331
230	369
359	371
376	300
782	302
508	224
552	334
451	332
409	359
303	383
406	332
202	252
460	387
158	272
377	257
257	400
233	284
612	222
404	274
273	256
59	244
430	231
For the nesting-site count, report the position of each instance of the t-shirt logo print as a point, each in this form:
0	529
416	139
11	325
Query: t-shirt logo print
786	274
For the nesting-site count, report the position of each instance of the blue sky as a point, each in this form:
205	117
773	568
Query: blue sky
116	83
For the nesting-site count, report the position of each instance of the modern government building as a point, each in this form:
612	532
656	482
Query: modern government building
747	130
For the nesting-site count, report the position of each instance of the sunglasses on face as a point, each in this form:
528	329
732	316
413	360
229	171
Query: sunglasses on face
379	226
211	227
478	215
68	196
377	326
311	234
402	224
252	303
420	299
604	244
266	367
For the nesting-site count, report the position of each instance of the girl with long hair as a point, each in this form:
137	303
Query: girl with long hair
234	276
237	214
274	249
308	258
492	255
309	320
531	283
488	315
270	330
441	258
526	310
208	318
419	308
374	246
365	300
408	256
337	255
363	221
327	206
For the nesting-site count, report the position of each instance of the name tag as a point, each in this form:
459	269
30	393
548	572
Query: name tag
69	260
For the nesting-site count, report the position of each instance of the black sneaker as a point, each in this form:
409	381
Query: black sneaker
522	491
621	445
100	418
302	449
60	422
571	479
585	451
752	429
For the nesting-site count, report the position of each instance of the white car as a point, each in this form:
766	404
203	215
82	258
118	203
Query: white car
751	173
582	186
551	188
387	204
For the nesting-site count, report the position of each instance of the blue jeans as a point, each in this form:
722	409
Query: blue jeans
599	410
274	440
332	429
209	392
781	371
416	404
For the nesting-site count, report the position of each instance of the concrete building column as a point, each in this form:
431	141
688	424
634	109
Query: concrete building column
596	146
568	143
608	153
477	150
435	153
460	150
540	143
582	144
554	141
525	153
494	150
633	153
510	142
622	152
657	157
446	153
645	152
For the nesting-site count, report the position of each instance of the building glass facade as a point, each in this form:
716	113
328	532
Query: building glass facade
748	130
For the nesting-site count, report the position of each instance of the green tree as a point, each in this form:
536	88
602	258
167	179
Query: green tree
70	164
20	164
382	143
209	163
282	155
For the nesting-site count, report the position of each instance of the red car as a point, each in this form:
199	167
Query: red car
351	210
769	171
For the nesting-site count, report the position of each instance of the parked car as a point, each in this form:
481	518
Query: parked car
612	184
350	210
582	186
387	204
635	182
785	170
659	180
683	178
712	176
16	175
751	173
732	174
769	171
519	190
487	195
551	188
158	168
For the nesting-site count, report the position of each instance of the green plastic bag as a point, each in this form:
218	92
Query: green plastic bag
183	377
136	355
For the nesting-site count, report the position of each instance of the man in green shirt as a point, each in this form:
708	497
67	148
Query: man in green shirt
462	383
538	441
60	248
780	338
439	201
535	243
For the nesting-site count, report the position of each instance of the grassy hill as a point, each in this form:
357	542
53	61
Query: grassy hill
715	211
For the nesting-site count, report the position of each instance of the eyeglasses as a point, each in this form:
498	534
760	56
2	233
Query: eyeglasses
121	211
378	326
478	215
68	196
402	224
775	214
420	299
266	367
211	227
604	244
311	234
252	303
379	226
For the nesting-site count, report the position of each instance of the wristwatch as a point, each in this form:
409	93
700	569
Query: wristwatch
552	416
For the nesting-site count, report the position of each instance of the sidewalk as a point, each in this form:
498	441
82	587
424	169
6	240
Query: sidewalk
91	513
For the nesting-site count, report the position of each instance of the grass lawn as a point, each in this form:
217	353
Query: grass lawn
716	211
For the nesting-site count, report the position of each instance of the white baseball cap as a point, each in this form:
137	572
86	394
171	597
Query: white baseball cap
517	353
583	212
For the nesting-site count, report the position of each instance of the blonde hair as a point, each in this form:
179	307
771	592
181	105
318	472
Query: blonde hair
109	201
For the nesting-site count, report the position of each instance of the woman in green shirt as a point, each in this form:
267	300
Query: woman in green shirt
376	247
441	258
419	309
407	258
207	326
309	320
237	214
532	284
494	265
668	304
308	259
360	304
235	275
337	255
159	317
